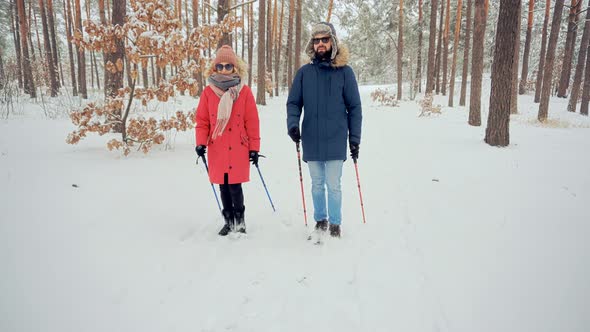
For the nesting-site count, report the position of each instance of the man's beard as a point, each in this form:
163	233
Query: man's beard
325	55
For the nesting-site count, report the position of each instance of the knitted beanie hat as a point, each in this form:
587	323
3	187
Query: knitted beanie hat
226	54
323	28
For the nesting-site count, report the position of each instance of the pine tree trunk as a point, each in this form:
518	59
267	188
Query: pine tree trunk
420	35
222	10
455	51
260	80
479	27
48	53
250	42
298	37
243	9
586	92
330	5
570	45
31	47
549	61
2	75
14	27
29	84
269	43
81	55
68	21
540	72
199	75
101	13
278	45
400	49
96	69
439	45
527	49
289	49
51	22
431	45
497	131
580	66
445	58
514	91
114	81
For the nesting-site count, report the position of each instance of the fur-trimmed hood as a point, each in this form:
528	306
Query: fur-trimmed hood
340	58
241	68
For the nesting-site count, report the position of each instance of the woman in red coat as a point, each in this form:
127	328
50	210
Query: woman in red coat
227	124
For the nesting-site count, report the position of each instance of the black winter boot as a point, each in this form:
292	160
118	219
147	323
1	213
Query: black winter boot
334	230
240	222
228	216
321	225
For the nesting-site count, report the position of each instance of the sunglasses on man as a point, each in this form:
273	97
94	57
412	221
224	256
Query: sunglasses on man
324	40
227	66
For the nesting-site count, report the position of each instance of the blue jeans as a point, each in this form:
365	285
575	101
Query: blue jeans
326	174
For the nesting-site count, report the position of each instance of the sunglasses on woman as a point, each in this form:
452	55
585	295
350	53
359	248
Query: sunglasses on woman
227	66
324	40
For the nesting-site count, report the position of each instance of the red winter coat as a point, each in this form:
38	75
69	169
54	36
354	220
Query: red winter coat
229	152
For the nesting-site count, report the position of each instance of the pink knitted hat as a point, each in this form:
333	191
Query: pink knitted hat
226	54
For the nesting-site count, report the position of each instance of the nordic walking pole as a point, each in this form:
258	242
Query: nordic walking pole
301	182
264	184
358	181
212	187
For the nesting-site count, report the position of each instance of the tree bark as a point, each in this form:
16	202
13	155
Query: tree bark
261	79
278	45
514	91
298	37
455	51
114	81
51	22
250	42
586	92
431	45
400	49
269	40
28	82
527	49
570	45
68	21
222	10
48	53
479	27
439	45
289	49
445	58
497	131
549	61
580	66
420	36
539	83
82	89
14	27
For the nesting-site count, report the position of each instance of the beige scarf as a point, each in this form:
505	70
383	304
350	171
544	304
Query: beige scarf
228	89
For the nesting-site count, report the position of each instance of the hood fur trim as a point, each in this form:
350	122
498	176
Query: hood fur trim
340	60
241	69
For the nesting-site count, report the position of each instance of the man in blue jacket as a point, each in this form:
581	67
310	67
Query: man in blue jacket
326	91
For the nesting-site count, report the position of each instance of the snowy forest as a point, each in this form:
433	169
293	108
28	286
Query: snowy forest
467	209
145	50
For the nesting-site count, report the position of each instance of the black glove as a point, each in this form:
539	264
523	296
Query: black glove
200	150
354	151
254	157
295	134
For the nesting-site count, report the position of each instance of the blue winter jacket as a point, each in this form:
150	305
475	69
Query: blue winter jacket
329	96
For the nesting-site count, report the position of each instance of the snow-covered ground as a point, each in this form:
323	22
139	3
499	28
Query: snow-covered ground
460	236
